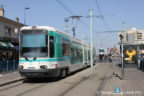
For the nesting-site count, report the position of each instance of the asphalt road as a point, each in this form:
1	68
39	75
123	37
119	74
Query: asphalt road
83	83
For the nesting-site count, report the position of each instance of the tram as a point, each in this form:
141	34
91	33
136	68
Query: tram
47	52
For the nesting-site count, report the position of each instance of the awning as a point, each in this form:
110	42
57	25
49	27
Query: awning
6	45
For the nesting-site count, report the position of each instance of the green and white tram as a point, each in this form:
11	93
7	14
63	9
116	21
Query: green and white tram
48	52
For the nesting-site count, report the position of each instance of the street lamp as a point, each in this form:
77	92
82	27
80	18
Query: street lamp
26	8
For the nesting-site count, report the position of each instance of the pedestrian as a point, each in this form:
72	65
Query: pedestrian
110	58
142	64
138	60
105	57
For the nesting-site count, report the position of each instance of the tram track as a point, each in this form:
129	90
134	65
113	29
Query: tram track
13	86
46	82
30	90
83	79
12	82
67	87
98	93
72	87
27	83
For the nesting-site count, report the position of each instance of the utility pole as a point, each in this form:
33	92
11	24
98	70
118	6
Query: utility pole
91	36
122	56
123	40
124	32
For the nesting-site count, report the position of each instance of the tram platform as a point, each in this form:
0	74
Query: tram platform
10	78
131	85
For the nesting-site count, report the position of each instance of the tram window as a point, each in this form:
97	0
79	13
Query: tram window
81	55
51	38
72	51
65	47
77	55
72	56
88	55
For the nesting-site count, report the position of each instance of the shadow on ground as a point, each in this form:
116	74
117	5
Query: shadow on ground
49	79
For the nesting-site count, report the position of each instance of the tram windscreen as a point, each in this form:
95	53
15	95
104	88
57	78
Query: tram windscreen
101	50
34	44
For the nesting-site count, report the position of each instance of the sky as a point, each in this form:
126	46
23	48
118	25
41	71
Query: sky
52	13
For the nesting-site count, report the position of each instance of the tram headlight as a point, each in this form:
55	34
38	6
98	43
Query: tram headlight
44	67
20	66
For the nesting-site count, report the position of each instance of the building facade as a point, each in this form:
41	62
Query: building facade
9	42
132	36
133	41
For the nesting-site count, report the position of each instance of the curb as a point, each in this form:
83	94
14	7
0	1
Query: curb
12	81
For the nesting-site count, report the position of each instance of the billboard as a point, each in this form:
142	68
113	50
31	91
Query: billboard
130	54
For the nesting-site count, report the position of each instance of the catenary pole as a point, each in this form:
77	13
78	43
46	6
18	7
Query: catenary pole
91	36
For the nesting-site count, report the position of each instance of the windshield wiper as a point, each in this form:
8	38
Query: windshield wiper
34	58
26	58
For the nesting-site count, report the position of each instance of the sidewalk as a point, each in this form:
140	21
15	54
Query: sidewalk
132	85
10	78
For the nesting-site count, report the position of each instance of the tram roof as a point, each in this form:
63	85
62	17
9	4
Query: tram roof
55	30
50	29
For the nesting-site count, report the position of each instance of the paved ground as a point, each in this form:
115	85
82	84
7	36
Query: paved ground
132	85
10	78
101	80
84	83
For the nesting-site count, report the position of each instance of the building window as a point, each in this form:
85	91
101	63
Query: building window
139	35
16	32
7	31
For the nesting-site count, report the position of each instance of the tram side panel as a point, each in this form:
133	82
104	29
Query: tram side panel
76	55
64	54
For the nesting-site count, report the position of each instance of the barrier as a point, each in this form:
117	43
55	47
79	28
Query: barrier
8	66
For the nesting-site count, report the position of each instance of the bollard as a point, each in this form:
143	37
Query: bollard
7	66
13	65
0	66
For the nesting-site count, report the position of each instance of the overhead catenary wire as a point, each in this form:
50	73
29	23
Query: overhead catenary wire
100	12
103	19
86	25
71	12
65	7
113	31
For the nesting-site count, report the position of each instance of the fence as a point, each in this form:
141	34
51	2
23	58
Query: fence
8	66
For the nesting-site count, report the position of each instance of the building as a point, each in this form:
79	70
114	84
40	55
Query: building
133	36
113	51
133	41
9	42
